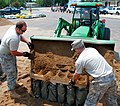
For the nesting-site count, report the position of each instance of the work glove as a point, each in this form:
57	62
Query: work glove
26	54
30	45
71	82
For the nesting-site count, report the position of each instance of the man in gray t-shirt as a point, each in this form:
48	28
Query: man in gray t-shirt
9	51
103	85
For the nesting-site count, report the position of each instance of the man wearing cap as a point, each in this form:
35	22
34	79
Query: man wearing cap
103	84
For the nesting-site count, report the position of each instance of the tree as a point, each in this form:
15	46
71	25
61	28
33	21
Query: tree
61	2
2	3
39	2
47	3
17	3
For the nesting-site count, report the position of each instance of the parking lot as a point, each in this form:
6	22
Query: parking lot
45	26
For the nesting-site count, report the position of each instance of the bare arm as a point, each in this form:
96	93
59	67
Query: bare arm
24	40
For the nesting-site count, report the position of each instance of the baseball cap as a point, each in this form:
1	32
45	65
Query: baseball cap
77	44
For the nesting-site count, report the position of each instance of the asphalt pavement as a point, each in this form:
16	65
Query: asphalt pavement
48	9
110	16
35	30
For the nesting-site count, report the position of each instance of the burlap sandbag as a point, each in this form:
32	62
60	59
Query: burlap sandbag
36	87
61	91
44	90
52	94
81	94
70	96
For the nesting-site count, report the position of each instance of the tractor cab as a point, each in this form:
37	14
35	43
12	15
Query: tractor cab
85	15
86	23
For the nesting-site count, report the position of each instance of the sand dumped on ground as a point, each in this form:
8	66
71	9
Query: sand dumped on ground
50	66
43	61
23	77
51	61
61	68
4	21
48	63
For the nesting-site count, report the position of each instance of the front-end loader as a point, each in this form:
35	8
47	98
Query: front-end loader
85	23
52	65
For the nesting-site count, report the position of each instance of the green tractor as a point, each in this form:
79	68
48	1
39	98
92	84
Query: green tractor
85	24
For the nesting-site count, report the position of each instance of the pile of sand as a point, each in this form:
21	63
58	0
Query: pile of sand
45	61
50	61
4	21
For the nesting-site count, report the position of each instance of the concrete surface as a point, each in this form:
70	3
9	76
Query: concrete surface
39	31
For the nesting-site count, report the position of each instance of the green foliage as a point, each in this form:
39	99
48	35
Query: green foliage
19	3
51	2
6	2
15	4
61	2
2	3
39	2
47	3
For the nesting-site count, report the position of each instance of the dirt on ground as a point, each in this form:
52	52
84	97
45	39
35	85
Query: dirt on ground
24	84
24	81
51	62
4	21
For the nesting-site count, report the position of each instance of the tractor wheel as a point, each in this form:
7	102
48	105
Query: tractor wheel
106	34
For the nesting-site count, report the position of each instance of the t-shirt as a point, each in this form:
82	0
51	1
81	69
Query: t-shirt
10	41
93	63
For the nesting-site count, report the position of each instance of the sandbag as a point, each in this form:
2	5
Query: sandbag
81	94
52	94
61	91
44	89
36	88
70	96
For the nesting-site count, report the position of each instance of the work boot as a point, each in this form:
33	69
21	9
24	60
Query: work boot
14	95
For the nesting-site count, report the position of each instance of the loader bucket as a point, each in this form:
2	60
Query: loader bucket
62	46
53	60
54	54
52	67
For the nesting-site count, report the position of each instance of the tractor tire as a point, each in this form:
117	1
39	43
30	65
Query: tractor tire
106	34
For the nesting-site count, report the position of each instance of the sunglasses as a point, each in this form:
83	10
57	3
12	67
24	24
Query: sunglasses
23	30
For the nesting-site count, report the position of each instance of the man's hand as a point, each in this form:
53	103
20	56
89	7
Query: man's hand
30	45
71	82
26	54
